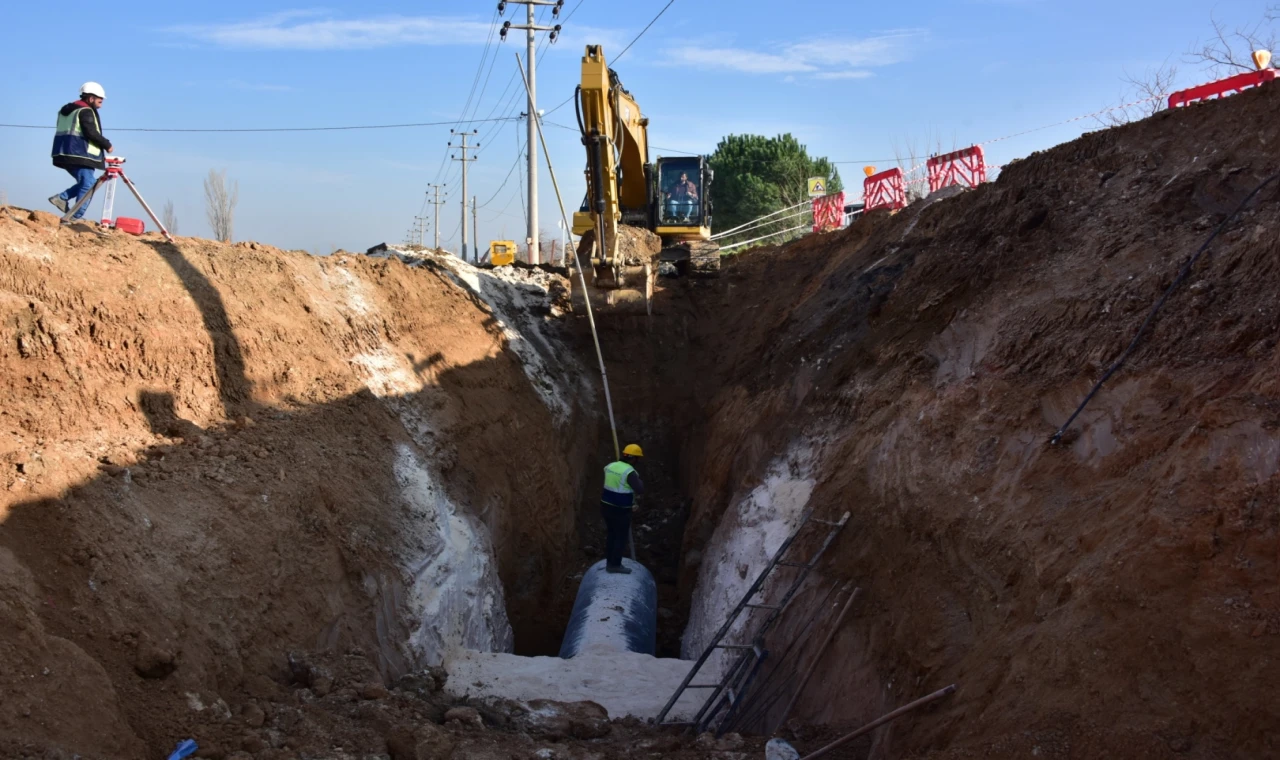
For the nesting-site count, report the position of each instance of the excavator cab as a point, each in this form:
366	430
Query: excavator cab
681	205
680	195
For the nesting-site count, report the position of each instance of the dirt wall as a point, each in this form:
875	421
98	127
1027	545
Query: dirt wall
1115	595
216	454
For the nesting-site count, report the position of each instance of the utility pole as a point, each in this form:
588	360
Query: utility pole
464	161
475	226
531	30
421	220
437	202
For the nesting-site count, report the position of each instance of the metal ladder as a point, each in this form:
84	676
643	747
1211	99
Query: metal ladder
737	679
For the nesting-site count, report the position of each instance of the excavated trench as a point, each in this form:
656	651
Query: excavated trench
251	490
654	379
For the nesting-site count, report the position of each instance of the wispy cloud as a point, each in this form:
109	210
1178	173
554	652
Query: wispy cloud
881	50
826	57
854	74
735	59
313	30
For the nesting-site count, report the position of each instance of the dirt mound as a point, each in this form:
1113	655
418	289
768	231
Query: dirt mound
1112	596
636	245
214	454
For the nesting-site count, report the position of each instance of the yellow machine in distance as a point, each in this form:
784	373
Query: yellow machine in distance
502	252
669	197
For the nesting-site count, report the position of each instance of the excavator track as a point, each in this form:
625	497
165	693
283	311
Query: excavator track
697	258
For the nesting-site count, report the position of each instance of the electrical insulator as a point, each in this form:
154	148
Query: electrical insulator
503	34
502	7
555	33
555	12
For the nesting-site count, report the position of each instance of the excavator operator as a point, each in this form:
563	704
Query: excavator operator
621	484
682	201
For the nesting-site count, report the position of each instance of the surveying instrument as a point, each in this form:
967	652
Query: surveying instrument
115	169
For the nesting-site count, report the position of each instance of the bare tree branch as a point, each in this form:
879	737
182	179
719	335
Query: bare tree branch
909	155
1230	51
170	218
220	204
1153	87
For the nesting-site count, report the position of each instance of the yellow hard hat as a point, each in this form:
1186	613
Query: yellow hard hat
633	450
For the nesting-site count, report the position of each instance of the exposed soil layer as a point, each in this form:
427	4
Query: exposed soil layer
1115	595
217	454
219	461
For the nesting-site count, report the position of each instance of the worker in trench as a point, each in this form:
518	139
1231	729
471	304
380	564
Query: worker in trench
78	147
621	485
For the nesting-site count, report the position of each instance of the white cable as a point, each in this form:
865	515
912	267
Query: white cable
766	237
752	226
766	216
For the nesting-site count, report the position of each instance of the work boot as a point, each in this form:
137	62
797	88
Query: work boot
619	569
59	204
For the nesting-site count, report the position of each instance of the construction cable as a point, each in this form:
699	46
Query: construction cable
761	222
766	237
1182	276
586	296
761	218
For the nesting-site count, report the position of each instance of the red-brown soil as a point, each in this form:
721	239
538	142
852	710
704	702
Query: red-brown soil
200	478
1113	596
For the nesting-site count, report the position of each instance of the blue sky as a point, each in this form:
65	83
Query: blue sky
854	81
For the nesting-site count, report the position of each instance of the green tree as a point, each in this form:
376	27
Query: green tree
757	175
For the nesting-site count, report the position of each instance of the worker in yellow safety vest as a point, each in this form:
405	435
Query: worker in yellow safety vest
621	484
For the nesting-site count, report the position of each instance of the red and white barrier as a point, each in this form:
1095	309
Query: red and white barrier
1222	87
885	190
828	212
967	168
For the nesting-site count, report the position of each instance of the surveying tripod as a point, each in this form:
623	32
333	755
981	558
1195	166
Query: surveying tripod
115	168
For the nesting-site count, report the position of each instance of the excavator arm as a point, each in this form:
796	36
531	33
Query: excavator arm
617	139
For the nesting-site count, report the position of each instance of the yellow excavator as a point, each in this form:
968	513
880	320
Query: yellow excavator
651	216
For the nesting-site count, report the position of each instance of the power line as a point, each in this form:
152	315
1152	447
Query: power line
488	43
642	31
444	158
514	164
565	102
274	129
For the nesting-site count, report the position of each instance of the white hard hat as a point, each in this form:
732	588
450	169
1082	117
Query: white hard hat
93	88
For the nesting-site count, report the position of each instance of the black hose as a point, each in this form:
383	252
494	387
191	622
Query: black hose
1182	276
577	110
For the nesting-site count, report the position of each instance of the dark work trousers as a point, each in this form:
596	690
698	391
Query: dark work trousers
617	520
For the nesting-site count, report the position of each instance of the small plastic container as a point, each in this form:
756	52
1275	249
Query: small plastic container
131	226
